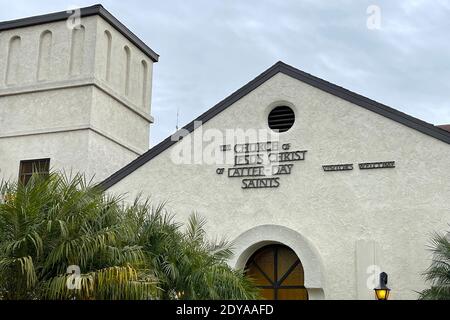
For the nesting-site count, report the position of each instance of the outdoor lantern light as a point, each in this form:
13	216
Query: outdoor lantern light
382	292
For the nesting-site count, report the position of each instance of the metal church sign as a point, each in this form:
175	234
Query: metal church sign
261	165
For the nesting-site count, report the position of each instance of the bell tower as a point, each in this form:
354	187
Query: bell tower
75	88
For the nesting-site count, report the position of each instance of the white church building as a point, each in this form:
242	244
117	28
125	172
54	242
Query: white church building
319	188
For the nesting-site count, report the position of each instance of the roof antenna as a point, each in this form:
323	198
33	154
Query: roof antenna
178	117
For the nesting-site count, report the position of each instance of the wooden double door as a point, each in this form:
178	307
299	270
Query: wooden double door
278	272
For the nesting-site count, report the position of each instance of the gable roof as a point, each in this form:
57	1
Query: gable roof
84	12
281	67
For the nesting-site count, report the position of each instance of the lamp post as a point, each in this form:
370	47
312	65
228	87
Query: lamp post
382	292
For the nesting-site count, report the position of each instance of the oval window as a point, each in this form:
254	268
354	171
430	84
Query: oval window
281	119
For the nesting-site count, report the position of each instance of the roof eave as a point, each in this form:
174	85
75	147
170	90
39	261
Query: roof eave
97	9
395	115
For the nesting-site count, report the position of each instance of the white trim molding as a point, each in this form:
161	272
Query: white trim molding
94	129
76	83
251	240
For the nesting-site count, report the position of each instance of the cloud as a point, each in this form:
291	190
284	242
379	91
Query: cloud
210	48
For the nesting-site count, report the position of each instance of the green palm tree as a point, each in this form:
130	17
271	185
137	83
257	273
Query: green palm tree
438	274
55	224
187	265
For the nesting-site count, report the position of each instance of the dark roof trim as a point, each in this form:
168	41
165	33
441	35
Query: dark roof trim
85	12
445	127
335	90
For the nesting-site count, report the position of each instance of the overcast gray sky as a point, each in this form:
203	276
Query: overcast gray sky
211	48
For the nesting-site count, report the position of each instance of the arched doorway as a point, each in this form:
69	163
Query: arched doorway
278	272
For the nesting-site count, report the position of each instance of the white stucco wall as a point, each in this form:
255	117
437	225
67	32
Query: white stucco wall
42	110
119	123
103	155
116	79
67	151
351	219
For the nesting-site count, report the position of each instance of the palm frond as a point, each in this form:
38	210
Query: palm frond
438	274
135	251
